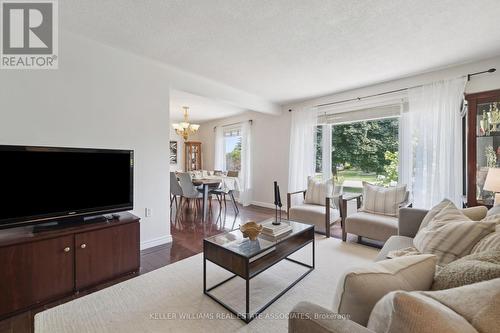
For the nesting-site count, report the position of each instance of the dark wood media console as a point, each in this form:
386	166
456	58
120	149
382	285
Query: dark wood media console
38	268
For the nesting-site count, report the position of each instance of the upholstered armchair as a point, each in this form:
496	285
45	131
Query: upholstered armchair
375	225
321	216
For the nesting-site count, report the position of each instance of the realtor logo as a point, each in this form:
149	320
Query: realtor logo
29	38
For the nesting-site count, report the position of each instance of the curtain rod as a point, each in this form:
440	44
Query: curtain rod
468	76
250	121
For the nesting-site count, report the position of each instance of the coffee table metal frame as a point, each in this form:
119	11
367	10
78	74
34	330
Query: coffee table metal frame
247	317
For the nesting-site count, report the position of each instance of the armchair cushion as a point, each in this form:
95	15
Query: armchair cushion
318	190
361	287
383	200
374	226
313	214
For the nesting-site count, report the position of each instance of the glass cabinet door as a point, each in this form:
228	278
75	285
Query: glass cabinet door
487	147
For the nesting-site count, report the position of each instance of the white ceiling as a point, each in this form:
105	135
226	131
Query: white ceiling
201	109
285	50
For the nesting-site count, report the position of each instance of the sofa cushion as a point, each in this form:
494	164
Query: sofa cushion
374	226
383	200
313	214
394	243
361	287
451	235
475	213
467	270
412	312
318	190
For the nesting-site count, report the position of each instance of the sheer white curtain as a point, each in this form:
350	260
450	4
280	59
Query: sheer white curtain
302	153
432	142
246	192
219	148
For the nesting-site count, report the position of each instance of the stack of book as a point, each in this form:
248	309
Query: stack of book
275	231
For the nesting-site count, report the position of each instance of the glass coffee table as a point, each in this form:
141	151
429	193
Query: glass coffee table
247	259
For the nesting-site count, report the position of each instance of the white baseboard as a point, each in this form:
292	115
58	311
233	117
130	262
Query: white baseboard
156	241
266	205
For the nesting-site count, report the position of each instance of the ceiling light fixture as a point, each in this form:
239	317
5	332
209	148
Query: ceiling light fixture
185	129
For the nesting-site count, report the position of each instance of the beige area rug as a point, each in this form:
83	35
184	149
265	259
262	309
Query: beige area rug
171	298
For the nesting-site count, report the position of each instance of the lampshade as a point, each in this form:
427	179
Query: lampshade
492	182
176	126
194	127
184	125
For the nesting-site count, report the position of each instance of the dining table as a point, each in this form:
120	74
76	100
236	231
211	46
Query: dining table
206	184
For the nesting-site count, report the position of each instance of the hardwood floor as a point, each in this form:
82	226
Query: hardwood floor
187	233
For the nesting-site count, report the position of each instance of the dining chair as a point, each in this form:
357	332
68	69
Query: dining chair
189	191
175	189
221	192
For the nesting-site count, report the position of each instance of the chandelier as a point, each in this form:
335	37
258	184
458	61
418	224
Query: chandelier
184	129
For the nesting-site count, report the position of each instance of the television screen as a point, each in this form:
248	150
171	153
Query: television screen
37	183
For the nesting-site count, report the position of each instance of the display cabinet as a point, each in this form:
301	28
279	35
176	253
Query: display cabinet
483	144
192	155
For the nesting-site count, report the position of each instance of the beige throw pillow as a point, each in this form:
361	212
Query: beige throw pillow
467	270
361	287
383	200
412	312
479	303
318	190
450	234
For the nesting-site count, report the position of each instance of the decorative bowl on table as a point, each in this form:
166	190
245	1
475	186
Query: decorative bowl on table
251	230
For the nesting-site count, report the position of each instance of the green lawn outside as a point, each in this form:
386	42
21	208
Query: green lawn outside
357	175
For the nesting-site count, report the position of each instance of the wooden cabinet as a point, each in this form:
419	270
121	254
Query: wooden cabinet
104	254
35	272
483	144
192	155
39	267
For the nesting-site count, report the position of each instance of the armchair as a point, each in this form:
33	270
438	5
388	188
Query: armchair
370	225
321	216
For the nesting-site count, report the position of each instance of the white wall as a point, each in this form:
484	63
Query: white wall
104	97
270	149
180	151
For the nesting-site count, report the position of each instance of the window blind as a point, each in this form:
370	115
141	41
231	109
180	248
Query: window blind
371	113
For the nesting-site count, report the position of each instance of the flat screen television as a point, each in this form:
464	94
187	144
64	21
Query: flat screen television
44	184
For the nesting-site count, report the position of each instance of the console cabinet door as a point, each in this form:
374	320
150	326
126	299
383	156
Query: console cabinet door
104	254
35	272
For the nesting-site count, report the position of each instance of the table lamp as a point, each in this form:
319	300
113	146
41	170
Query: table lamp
492	183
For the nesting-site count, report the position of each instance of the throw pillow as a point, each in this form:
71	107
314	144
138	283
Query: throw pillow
494	210
478	303
467	270
473	213
361	287
318	190
488	243
451	235
412	312
433	212
383	200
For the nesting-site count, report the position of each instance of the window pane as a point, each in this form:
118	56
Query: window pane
319	149
365	151
232	150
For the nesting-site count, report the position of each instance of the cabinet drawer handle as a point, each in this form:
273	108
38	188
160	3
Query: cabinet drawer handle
67	249
83	246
